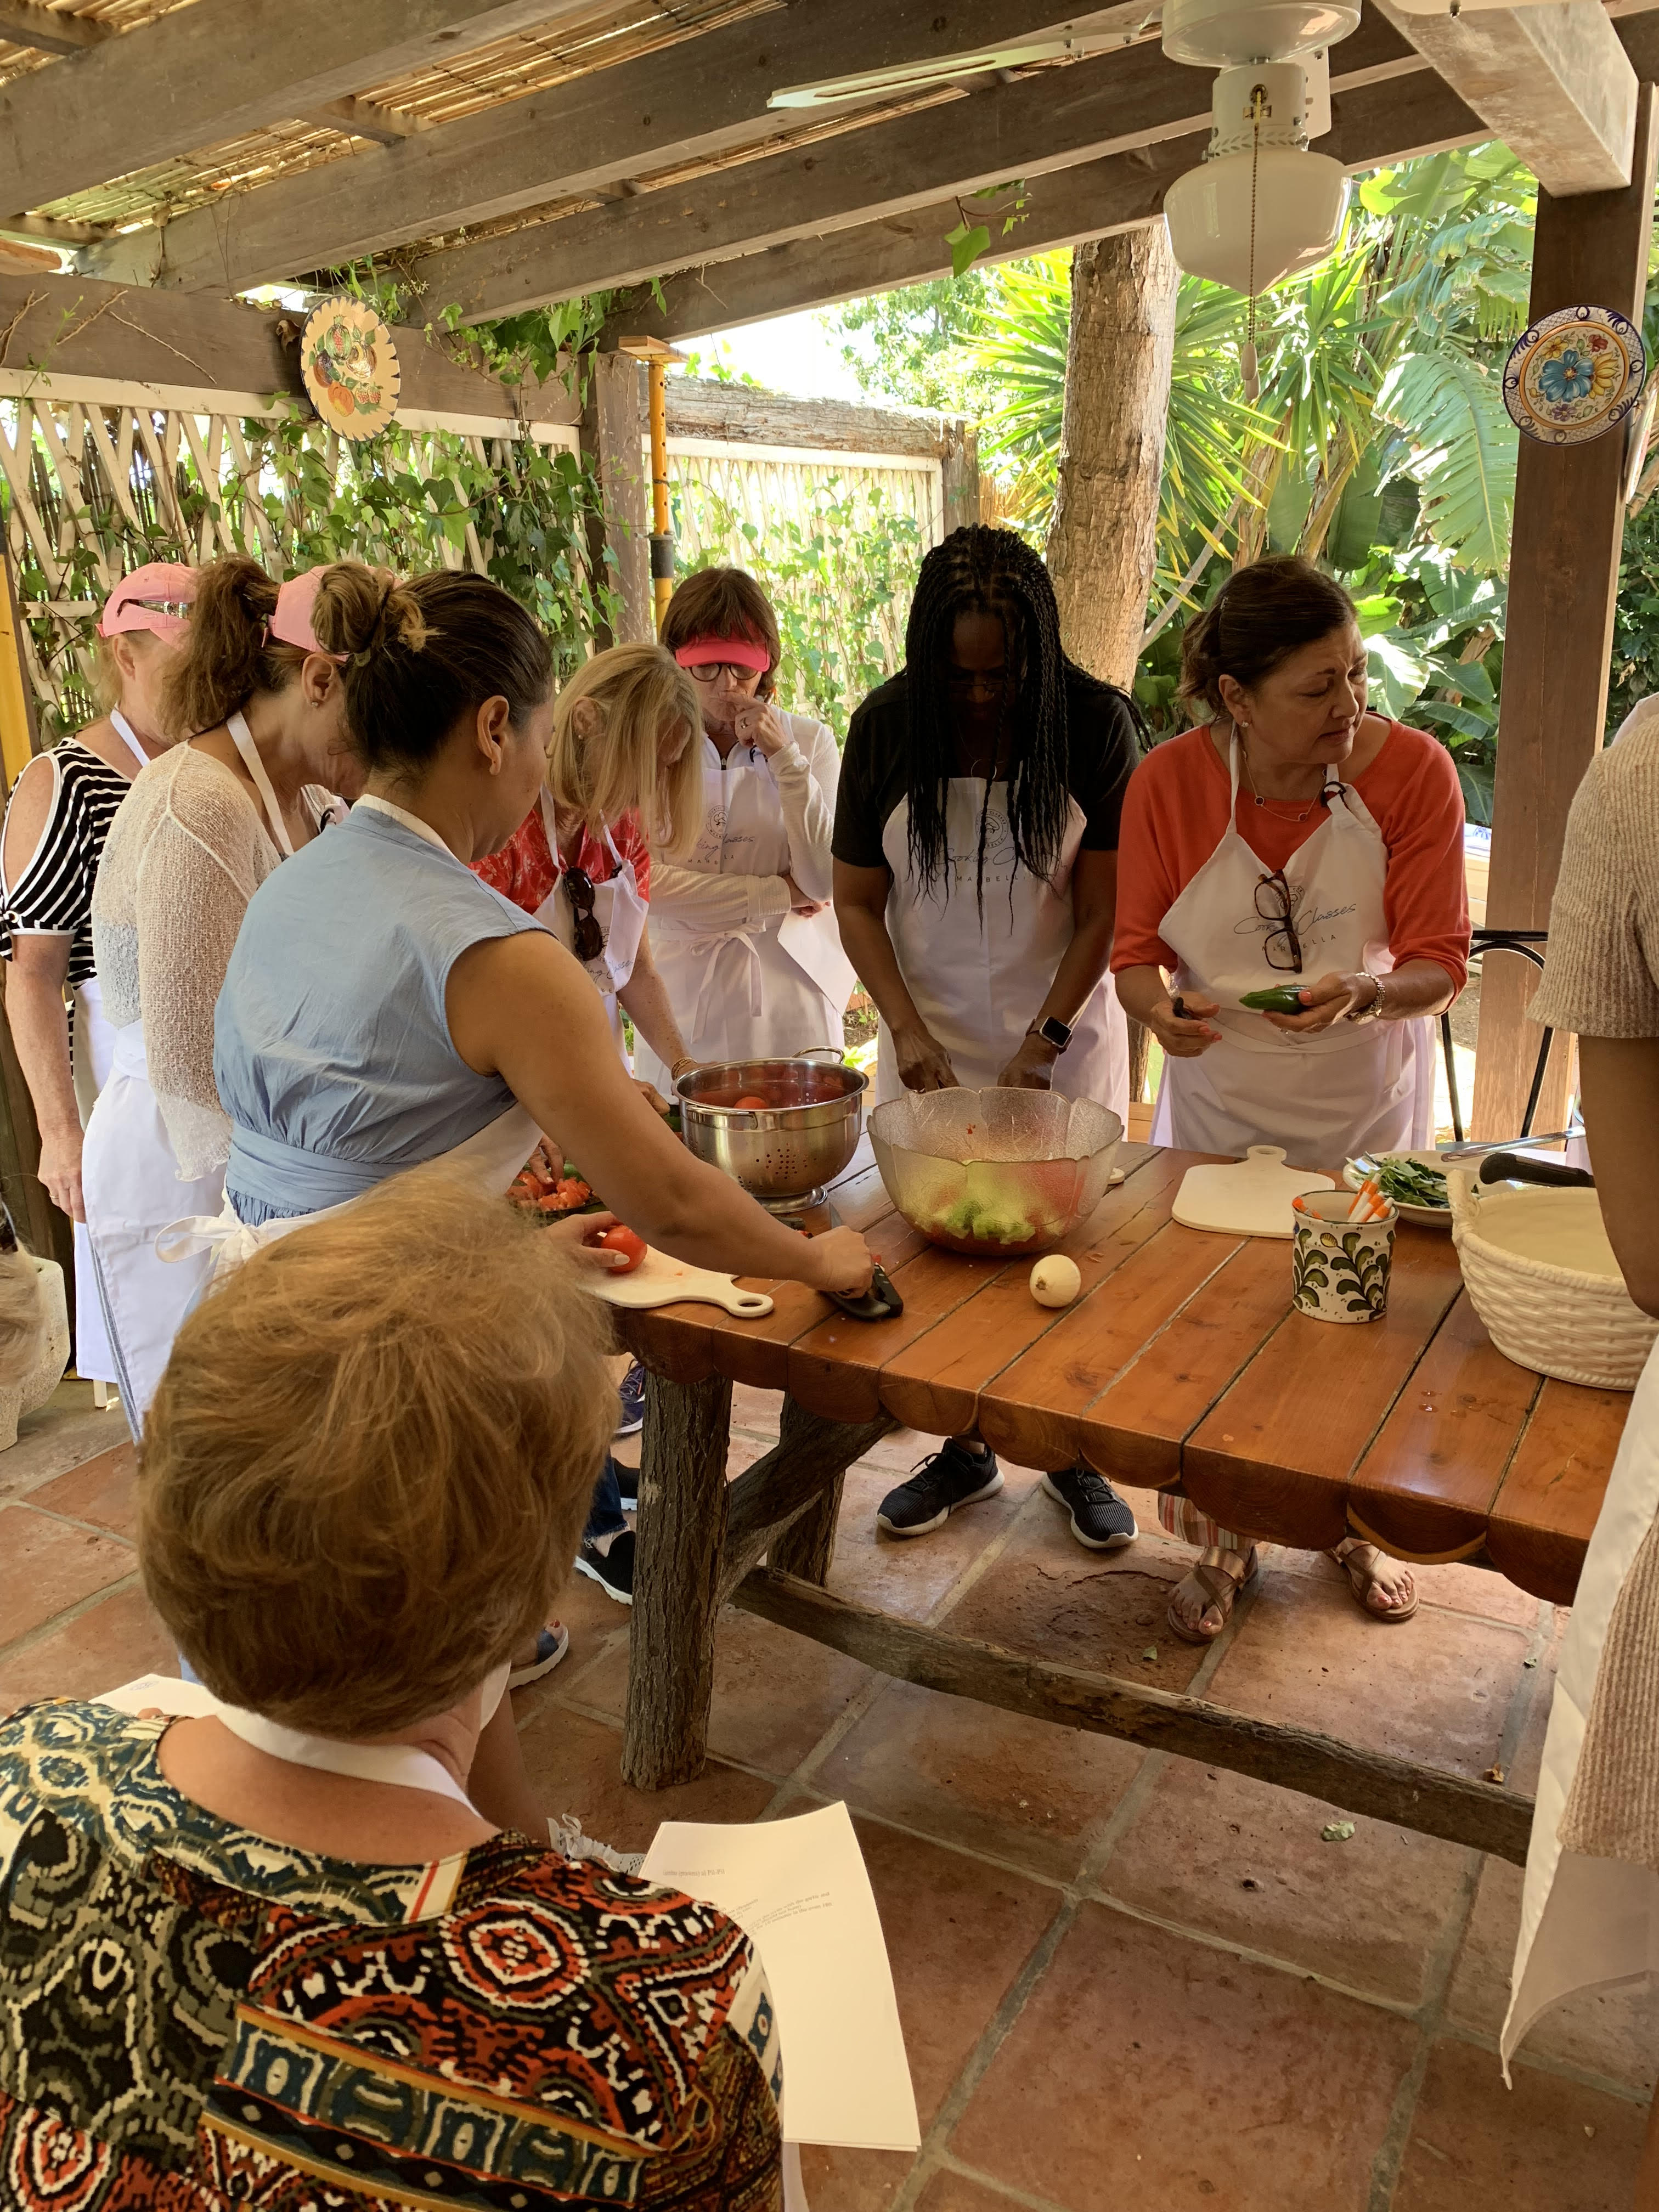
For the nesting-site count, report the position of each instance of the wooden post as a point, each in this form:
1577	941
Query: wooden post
677	1572
958	455
611	435
1563	580
20	732
1100	550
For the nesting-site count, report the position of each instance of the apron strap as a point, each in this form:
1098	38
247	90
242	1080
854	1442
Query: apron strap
242	737
124	729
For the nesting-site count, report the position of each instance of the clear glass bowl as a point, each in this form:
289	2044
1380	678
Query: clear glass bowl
994	1173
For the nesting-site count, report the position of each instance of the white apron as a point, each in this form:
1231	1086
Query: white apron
619	909
1589	1922
1357	1086
767	991
133	1188
977	983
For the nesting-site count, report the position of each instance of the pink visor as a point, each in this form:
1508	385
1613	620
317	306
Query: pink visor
152	598
734	652
291	622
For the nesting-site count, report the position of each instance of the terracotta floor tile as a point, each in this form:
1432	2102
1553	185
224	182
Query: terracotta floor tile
108	1644
1023	1789
1435	1688
592	1619
1243	1860
103	1490
953	2192
1614	2032
1234	2086
756	1409
574	1763
852	2180
774	1693
1546	2146
46	1565
1099	1610
68	1429
1479	1590
957	1933
908	1576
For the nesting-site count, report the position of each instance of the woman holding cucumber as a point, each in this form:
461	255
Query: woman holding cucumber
1291	915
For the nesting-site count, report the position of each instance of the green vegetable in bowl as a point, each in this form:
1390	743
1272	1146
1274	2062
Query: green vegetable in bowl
1410	1183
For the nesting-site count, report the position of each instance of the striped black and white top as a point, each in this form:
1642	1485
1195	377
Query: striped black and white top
53	895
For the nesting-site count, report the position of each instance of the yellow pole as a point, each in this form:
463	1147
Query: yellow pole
662	545
16	724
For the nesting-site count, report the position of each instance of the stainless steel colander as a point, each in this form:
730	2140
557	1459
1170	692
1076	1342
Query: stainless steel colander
786	1151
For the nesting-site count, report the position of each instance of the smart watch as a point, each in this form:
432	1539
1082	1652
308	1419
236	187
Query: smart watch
1053	1031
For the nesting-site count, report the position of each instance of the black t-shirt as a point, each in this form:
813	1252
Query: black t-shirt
875	768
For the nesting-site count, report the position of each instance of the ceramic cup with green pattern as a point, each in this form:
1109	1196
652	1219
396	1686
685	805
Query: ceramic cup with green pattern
1339	1268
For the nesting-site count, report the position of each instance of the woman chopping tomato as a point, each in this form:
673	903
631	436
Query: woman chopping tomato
975	872
1297	841
744	938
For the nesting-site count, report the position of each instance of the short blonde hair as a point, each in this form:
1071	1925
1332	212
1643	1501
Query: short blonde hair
364	1477
640	692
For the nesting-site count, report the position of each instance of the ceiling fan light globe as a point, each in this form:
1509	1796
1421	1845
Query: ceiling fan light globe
1301	201
1222	34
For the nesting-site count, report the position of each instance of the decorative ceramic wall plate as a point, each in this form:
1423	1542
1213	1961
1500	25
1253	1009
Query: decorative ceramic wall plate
1575	376
350	368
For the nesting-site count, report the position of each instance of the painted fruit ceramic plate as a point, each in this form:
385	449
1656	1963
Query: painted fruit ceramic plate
1574	375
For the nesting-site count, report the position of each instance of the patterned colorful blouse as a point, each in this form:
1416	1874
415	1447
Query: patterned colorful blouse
526	871
193	2018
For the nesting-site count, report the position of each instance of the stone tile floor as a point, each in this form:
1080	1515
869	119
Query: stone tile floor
1126	1980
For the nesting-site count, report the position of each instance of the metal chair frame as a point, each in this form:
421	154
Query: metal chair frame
1529	944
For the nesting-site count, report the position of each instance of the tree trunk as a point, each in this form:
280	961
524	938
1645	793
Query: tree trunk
1111	454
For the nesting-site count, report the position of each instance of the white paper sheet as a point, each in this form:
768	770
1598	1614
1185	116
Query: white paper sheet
799	1889
813	943
164	1692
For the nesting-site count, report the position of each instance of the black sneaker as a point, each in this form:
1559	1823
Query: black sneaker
946	1480
611	1569
630	1402
1100	1519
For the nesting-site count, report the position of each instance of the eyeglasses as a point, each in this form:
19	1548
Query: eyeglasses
178	609
1275	890
588	941
968	683
710	672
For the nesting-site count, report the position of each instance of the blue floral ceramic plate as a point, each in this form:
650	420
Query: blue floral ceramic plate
1575	376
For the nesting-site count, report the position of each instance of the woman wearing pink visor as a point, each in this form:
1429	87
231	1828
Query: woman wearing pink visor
56	821
741	930
260	707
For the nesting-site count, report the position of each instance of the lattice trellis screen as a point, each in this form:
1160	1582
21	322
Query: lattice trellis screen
91	489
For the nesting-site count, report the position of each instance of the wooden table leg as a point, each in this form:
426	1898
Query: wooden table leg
807	1547
677	1570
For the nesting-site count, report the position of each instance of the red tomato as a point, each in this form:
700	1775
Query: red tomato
750	1100
619	1237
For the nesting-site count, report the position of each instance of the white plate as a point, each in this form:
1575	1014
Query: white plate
1426	1216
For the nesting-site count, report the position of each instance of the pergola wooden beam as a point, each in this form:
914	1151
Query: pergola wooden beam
212	72
48	32
1049	120
1555	83
699	97
1373	123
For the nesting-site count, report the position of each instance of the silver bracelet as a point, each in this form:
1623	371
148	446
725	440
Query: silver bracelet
1373	1011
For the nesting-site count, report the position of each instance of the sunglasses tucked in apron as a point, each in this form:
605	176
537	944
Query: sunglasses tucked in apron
979	979
619	910
772	988
1357	1086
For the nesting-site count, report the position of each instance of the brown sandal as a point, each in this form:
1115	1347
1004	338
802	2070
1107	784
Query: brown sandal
1363	1578
1220	1585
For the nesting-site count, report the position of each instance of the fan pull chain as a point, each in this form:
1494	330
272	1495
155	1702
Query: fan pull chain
1247	355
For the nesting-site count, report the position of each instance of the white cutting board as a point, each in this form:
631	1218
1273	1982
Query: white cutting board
1250	1197
659	1282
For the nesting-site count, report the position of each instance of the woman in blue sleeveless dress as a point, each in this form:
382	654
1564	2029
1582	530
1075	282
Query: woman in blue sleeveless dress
384	1008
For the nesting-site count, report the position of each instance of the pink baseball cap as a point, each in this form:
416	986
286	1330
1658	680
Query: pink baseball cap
148	599
734	652
292	618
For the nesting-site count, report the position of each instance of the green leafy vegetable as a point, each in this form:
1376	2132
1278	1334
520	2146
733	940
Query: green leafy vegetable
1409	1183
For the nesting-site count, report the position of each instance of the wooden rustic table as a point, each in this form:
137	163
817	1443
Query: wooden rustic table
1181	1366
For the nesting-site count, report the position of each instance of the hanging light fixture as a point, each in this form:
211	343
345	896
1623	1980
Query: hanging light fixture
1260	206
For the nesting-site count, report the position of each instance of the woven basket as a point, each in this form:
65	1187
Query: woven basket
1569	1323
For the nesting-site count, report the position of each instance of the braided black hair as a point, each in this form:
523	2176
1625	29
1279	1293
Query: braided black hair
978	570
